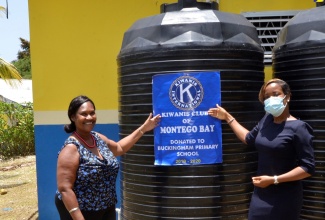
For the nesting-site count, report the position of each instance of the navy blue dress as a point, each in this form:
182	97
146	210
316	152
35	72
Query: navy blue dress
281	148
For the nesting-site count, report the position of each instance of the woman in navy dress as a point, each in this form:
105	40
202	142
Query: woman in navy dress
285	154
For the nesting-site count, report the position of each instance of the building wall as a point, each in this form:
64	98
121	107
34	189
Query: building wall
74	47
240	6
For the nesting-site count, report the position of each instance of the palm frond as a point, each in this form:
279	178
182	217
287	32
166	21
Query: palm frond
9	71
2	9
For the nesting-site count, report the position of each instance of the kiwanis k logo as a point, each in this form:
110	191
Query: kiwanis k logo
186	93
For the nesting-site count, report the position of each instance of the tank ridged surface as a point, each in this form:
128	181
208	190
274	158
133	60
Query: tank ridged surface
298	58
165	44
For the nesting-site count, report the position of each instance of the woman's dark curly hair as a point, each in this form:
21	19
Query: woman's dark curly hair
73	108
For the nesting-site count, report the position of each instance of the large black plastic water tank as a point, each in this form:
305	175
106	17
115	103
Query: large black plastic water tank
189	40
299	59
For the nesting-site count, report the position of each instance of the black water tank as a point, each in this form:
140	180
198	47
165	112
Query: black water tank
189	40
299	59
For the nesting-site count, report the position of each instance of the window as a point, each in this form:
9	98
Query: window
268	25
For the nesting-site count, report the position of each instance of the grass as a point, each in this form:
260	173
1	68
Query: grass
18	189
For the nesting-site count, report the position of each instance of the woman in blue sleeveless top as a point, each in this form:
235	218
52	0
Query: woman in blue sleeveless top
87	166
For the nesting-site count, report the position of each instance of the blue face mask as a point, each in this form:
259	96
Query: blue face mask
274	105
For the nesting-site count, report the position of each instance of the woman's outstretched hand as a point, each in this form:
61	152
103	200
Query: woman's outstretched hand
222	114
218	112
150	123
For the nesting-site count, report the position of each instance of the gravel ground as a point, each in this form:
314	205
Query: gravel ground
18	189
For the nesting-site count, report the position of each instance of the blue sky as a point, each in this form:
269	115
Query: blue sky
11	29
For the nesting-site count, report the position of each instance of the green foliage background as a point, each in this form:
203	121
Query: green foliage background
16	130
23	63
24	67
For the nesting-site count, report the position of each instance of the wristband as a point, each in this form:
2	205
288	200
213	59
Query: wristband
276	182
231	120
73	209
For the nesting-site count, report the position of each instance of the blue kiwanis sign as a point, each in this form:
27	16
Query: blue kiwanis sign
187	135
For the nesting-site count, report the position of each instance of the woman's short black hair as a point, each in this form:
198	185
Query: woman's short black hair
73	108
284	86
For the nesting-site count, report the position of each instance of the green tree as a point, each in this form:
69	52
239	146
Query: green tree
25	45
16	130
23	63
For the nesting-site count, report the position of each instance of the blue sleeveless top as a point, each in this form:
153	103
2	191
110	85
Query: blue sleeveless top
95	182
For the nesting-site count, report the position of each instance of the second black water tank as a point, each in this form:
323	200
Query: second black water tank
189	40
299	59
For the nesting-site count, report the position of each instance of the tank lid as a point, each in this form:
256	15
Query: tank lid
306	26
182	4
